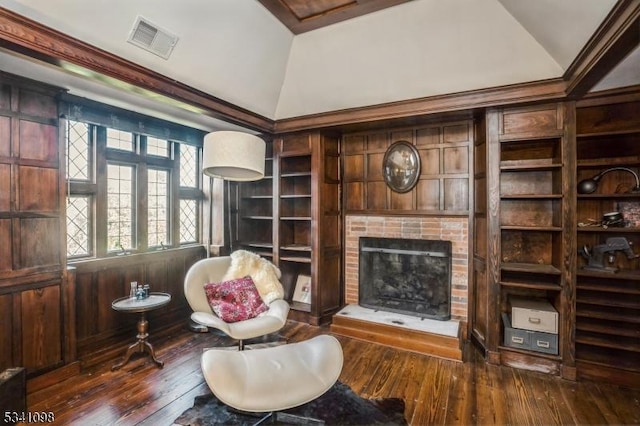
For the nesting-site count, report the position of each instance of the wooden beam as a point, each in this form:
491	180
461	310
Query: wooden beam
618	35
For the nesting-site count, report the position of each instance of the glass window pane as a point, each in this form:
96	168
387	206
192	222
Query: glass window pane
158	147
188	221
188	166
78	153
78	226
158	205
119	140
120	210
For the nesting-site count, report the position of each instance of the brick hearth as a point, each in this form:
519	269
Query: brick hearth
454	229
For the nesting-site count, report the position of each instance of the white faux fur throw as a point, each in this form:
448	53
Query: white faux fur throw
264	274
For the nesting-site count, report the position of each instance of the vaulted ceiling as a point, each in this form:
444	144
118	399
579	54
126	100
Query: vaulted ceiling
281	59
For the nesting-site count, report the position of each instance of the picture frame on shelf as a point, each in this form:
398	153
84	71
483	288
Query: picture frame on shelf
302	291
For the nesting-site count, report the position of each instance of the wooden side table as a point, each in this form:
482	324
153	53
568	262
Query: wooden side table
133	305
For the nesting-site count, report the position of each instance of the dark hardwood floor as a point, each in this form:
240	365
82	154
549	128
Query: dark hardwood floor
435	391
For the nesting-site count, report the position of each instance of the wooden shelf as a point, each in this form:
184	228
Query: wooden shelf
257	197
606	315
616	329
263	253
295	259
607	162
609	230
531	353
530	268
606	358
608	287
624	195
298	218
618	342
531	285
296	247
620	275
598	135
258	244
293	196
614	303
297	174
299	306
531	197
529	166
531	228
257	217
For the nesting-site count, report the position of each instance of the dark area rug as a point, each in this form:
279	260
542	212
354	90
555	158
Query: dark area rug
338	406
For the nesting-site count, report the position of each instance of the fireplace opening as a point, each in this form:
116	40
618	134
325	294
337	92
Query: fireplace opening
406	276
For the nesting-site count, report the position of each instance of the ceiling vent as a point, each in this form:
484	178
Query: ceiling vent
152	38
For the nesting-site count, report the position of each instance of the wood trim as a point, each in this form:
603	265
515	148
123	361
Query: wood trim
333	14
52	377
613	96
421	342
545	90
29	37
615	38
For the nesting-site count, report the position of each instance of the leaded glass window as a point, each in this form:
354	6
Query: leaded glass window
78	226
188	166
78	146
120	207
158	211
118	139
157	147
188	221
128	192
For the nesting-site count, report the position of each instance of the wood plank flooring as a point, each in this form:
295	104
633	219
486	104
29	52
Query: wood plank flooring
435	391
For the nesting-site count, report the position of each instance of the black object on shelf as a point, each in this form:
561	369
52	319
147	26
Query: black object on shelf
588	186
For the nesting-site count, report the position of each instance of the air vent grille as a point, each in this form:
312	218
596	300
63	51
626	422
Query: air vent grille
152	38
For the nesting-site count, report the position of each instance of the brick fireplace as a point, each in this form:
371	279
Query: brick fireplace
454	229
428	336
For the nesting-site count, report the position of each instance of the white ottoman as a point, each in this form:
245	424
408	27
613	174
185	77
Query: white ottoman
274	378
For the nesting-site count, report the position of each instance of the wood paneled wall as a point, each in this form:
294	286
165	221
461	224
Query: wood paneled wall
443	186
51	315
33	290
100	282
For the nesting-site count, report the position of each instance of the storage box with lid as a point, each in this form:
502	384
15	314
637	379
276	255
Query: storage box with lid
529	340
534	315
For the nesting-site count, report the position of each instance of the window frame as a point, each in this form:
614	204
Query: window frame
96	190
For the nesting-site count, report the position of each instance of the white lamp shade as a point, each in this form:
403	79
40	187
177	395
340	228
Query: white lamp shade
233	156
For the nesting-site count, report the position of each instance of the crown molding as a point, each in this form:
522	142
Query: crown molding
28	37
616	37
546	90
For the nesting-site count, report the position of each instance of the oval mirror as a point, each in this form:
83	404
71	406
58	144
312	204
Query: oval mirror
401	166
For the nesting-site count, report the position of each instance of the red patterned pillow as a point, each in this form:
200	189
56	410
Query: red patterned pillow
235	300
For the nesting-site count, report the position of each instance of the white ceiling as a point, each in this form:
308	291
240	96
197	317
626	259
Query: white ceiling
237	51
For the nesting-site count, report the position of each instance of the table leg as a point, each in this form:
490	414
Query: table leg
141	345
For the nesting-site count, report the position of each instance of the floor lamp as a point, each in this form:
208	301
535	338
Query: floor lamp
232	156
